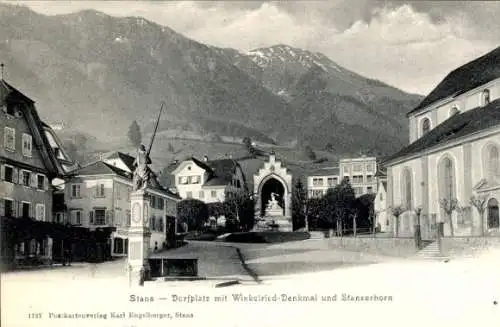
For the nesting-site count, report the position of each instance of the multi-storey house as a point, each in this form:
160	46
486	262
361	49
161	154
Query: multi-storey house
98	195
361	173
321	180
209	180
453	156
28	164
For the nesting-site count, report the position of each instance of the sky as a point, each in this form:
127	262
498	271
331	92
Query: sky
408	44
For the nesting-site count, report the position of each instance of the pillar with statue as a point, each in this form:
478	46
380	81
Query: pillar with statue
139	232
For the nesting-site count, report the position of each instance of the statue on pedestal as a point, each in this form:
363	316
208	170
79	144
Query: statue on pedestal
272	204
142	172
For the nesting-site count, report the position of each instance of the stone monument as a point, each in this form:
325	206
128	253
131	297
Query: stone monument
139	232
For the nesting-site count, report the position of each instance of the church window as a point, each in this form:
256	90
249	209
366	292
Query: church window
406	188
447	179
493	163
426	126
493	214
486	97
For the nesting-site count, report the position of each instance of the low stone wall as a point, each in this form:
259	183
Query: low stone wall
468	244
397	247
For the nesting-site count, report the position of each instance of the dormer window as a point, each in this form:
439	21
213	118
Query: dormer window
486	97
426	126
454	111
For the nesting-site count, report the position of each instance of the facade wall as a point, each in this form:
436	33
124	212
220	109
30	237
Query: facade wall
116	203
468	163
318	185
361	172
380	207
439	112
19	160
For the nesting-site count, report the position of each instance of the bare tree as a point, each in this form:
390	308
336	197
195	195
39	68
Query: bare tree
397	211
448	206
479	202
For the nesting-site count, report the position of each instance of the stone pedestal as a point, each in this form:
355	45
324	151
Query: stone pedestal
139	237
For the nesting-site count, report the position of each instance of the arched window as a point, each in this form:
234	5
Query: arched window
486	97
493	163
406	189
493	214
426	126
447	189
454	111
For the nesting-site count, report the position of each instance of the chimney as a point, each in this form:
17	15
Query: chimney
205	158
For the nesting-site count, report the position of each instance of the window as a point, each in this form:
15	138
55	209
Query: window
332	181
370	167
40	212
213	194
358	191
100	217
201	195
26	209
9	138
153	201
153	223
238	183
426	126
26	178
100	190
317	181
357	167
41	182
194	179
27	145
183	180
128	215
369	189
76	217
189	195
8	208
493	214
369	178
493	163
118	192
8	174
381	196
118	245
358	179
58	217
446	179
316	193
406	188
160	203
75	190
345	170
486	97
454	111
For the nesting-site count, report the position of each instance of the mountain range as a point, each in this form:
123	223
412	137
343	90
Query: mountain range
97	73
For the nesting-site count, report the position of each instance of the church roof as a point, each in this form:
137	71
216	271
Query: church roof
465	78
222	171
457	126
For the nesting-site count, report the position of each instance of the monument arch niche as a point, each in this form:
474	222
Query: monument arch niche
273	191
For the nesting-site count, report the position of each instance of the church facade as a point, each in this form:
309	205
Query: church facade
450	171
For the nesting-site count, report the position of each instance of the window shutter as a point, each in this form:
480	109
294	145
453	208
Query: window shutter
91	217
2	208
33	181
45	183
96	190
15	175
2	172
14	208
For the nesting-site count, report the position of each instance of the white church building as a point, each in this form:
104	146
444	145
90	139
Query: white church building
453	157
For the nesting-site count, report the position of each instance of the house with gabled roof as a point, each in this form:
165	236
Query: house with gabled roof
29	163
209	180
98	195
453	156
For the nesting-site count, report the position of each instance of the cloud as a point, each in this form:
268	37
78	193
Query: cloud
411	45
